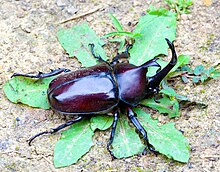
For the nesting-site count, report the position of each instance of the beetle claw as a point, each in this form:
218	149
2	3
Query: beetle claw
156	98
110	152
128	47
151	149
112	155
37	135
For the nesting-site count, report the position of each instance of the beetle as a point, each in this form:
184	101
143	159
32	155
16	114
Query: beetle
103	88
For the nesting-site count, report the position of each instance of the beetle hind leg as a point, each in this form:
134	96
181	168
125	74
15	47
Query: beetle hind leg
54	130
114	124
41	75
134	120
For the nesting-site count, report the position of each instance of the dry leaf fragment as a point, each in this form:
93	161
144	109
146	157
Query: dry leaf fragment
207	2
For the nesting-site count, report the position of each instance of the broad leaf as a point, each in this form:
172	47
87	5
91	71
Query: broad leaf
199	70
101	122
32	92
171	93
165	105
165	138
215	74
76	42
181	61
154	27
126	141
74	143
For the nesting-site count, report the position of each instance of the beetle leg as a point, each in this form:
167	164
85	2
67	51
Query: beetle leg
140	128
43	75
156	98
114	124
95	56
122	55
54	130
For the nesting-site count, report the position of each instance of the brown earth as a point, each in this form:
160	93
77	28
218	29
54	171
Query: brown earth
28	43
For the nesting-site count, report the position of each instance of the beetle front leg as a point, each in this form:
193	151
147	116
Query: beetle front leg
140	128
122	55
41	75
95	56
114	124
54	130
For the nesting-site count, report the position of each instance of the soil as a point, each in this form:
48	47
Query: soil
28	43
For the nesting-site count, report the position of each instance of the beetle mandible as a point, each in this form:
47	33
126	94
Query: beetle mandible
103	88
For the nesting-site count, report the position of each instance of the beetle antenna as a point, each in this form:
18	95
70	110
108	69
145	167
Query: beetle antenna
154	81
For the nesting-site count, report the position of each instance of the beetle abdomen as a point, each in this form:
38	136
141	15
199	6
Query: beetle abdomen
85	95
71	76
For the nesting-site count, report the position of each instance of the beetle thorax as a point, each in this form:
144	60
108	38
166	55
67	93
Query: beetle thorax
131	81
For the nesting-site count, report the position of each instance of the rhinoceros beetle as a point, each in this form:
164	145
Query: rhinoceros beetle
103	88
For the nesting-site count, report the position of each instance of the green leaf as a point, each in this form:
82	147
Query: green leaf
171	92
154	27
196	79
185	80
165	105
152	70
186	68
203	78
122	41
166	139
181	6
76	42
181	61
181	97
116	23
128	34
126	141
211	69
32	92
200	73
198	70
168	91
101	122
215	74
74	143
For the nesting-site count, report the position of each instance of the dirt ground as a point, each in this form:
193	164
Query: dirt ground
28	43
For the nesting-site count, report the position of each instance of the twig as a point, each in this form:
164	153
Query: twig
50	163
80	15
11	151
210	156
